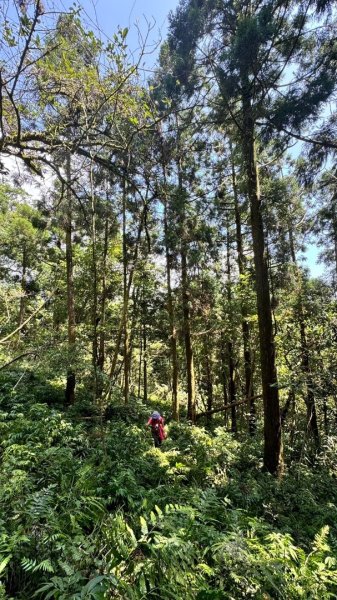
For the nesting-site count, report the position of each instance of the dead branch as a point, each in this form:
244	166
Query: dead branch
7	337
31	353
227	406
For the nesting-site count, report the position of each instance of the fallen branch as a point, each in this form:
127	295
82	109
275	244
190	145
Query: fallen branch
26	321
34	353
227	406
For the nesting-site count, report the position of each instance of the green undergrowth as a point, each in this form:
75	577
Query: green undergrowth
90	509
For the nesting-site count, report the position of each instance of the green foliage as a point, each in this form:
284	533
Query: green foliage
98	512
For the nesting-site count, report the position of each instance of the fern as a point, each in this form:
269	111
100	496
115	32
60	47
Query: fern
42	503
4	562
31	565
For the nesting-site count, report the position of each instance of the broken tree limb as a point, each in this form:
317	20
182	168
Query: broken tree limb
7	337
32	353
227	406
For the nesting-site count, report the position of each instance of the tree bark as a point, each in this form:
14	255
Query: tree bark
170	310
334	229
232	387
224	379
209	379
170	303
190	375
125	302
230	346
23	287
187	337
140	363
97	378
71	378
101	343
144	363
246	334
272	420
312	424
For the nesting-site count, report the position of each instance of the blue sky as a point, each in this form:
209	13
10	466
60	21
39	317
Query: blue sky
317	269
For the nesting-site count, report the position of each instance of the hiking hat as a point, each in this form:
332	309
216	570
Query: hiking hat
155	415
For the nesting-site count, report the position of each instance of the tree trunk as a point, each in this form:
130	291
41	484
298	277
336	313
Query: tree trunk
71	378
22	308
334	228
170	310
232	387
140	364
126	302
325	417
191	401
97	378
224	379
209	380
312	424
272	420
187	337
144	363
126	290
246	335
230	346
101	343
170	305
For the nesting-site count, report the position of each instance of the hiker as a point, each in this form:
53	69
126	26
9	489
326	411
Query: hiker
156	422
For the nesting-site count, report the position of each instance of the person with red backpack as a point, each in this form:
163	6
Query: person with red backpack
156	422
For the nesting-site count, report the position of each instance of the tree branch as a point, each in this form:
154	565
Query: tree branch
7	337
32	353
227	406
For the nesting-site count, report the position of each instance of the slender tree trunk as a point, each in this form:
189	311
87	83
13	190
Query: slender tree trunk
125	302
101	344
224	379
246	334
191	400
312	424
170	310
232	387
289	403
272	420
170	304
325	417
97	379
140	364
230	347
191	408
22	308
71	378
209	378
334	228
144	362
132	329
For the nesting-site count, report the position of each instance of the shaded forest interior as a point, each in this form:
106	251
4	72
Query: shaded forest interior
152	257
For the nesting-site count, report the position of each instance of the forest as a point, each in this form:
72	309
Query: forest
157	229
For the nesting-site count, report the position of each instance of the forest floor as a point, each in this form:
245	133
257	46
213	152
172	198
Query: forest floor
90	509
